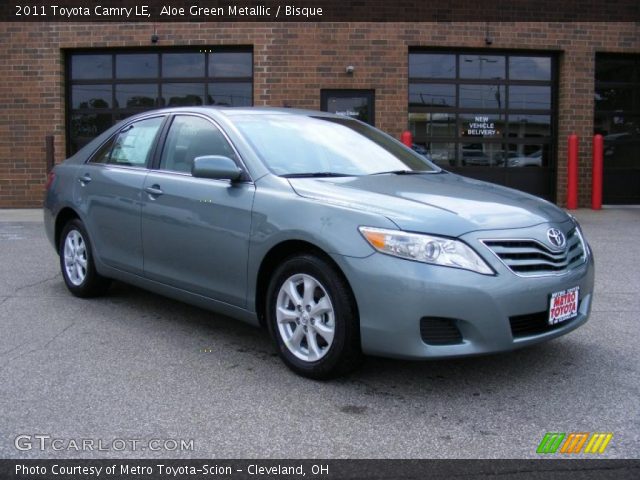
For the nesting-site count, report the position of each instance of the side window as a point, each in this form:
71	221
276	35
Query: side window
134	143
102	154
190	137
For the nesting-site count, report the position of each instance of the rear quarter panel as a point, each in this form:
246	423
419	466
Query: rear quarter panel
59	196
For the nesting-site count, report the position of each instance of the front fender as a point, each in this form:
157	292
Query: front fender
281	215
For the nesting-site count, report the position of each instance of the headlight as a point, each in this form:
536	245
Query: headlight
425	248
585	245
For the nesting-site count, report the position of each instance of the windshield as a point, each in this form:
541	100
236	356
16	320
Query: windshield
324	146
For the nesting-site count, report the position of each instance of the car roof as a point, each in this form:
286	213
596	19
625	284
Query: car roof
231	112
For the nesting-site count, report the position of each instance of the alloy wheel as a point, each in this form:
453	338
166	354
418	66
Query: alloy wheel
75	257
305	317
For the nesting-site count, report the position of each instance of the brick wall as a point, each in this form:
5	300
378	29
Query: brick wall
292	63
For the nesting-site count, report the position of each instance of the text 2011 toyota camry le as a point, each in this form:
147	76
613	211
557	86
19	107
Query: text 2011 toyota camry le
335	236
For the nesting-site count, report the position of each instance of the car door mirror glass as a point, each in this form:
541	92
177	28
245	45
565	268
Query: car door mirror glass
217	167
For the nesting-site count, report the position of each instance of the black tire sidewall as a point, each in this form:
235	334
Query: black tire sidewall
346	341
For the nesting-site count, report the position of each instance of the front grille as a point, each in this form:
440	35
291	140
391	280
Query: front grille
533	324
439	331
530	257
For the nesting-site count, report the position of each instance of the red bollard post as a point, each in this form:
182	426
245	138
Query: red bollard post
596	172
407	138
572	172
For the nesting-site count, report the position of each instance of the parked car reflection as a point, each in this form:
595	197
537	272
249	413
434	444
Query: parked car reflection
534	159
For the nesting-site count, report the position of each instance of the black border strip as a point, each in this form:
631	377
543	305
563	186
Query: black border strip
327	11
600	469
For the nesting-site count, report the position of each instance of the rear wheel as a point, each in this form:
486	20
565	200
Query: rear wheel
76	262
313	319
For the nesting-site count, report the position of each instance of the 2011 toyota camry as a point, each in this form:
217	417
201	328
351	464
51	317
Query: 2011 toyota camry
332	234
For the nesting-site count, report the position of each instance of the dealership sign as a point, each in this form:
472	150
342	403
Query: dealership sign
481	126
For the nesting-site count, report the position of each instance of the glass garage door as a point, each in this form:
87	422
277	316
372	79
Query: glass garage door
105	86
487	115
617	118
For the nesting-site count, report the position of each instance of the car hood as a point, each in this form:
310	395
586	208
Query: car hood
440	203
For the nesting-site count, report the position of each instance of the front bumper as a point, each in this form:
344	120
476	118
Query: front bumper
394	294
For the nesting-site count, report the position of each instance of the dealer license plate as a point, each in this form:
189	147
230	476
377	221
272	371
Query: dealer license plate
563	305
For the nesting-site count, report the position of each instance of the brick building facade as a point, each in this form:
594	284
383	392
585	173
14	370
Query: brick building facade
292	63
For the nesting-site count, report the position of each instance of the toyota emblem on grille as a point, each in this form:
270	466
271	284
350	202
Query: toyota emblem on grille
556	237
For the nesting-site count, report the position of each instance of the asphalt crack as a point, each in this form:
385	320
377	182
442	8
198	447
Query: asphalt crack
33	350
12	349
35	284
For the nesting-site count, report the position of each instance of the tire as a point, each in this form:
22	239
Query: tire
313	318
76	262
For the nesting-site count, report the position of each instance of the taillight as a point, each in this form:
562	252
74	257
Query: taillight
50	178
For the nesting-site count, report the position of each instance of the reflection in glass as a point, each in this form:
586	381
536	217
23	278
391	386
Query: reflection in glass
427	125
354	107
137	65
481	154
621	133
482	125
85	127
103	153
529	126
91	96
482	66
619	126
182	94
230	64
477	133
617	98
432	94
97	84
530	68
183	65
530	97
527	155
85	67
482	96
432	65
134	95
443	154
230	94
519	155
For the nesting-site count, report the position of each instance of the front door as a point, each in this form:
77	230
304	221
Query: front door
359	104
195	231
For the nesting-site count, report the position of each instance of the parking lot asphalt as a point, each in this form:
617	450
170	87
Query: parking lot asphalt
136	366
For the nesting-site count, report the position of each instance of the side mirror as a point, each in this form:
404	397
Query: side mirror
217	167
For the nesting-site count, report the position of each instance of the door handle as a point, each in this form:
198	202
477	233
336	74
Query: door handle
154	190
86	178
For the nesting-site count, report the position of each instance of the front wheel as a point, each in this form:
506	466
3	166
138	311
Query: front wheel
313	318
76	262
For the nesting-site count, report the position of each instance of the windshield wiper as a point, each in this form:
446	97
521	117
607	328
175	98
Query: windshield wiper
315	175
402	172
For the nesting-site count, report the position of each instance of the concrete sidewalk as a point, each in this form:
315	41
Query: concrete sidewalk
20	215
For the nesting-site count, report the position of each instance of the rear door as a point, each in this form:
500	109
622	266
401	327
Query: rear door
109	190
195	231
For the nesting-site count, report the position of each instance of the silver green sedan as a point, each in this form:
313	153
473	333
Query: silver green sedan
333	235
